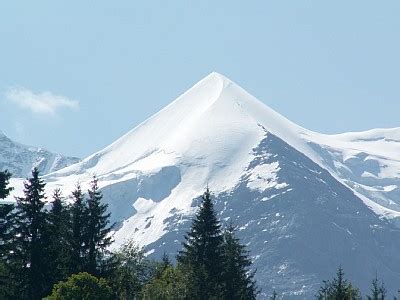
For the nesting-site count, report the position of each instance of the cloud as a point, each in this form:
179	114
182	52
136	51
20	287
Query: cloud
45	103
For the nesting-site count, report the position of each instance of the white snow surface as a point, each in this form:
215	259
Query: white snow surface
264	176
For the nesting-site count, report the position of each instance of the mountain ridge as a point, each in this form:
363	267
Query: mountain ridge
19	159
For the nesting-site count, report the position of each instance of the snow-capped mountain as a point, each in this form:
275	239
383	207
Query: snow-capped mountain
20	159
367	162
304	202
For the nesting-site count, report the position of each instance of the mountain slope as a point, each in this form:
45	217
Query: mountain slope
219	111
294	193
299	223
20	159
367	162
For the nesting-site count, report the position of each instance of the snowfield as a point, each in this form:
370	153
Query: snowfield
305	202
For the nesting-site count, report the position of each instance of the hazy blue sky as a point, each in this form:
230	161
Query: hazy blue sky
76	75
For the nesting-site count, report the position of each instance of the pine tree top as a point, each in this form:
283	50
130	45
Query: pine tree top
34	195
57	205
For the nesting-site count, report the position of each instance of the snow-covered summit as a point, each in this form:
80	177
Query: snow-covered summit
215	119
216	123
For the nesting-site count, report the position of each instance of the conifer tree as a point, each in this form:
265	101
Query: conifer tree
4	182
6	236
339	284
58	247
28	260
161	266
378	290
78	211
338	288
6	225
5	215
164	264
239	281
202	252
98	230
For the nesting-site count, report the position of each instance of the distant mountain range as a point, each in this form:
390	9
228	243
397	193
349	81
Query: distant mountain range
304	202
20	159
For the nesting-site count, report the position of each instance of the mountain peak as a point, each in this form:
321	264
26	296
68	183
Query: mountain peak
215	110
210	87
217	76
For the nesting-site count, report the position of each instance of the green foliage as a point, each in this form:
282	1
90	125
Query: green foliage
338	288
238	280
98	232
131	271
59	237
171	285
4	182
6	237
161	266
6	226
378	290
202	256
77	242
40	247
28	262
82	286
7	283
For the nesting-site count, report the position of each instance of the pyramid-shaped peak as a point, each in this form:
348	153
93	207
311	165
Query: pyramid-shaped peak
216	110
215	78
217	88
202	94
220	76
